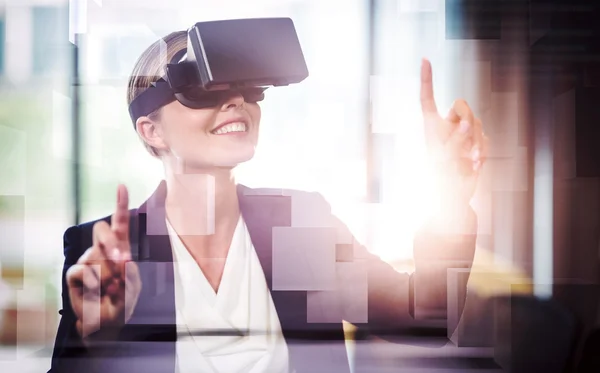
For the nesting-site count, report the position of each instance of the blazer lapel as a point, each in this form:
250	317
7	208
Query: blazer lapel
155	259
154	319
262	213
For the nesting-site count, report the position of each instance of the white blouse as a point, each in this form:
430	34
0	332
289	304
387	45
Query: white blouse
243	303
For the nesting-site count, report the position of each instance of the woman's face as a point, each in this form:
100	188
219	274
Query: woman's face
221	136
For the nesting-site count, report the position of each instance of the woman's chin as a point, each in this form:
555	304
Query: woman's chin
233	159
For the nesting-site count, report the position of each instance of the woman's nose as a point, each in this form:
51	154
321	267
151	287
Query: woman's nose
234	100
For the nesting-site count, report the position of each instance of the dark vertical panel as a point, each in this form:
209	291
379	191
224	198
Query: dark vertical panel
473	19
587	131
76	128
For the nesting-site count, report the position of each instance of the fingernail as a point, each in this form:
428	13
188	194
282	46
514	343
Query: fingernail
464	126
115	255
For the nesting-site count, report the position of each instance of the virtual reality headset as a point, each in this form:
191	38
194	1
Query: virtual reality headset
241	56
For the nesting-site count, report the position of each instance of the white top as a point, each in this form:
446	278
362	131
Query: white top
243	303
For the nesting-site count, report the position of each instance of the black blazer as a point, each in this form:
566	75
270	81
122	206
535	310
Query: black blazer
147	342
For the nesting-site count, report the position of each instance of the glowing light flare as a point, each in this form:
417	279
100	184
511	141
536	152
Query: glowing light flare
409	192
411	198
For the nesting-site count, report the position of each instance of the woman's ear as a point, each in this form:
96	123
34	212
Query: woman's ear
149	131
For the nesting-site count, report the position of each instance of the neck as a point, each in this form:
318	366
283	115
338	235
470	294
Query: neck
201	202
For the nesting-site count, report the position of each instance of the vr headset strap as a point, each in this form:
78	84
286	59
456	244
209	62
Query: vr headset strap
155	96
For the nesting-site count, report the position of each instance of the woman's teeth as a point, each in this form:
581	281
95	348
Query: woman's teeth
231	127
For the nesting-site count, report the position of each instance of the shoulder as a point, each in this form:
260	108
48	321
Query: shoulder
306	208
296	195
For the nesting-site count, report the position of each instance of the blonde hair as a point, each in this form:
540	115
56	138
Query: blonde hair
150	67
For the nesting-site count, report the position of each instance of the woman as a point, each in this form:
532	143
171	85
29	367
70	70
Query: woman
209	276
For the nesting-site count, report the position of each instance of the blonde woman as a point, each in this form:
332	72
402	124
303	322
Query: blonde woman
193	280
